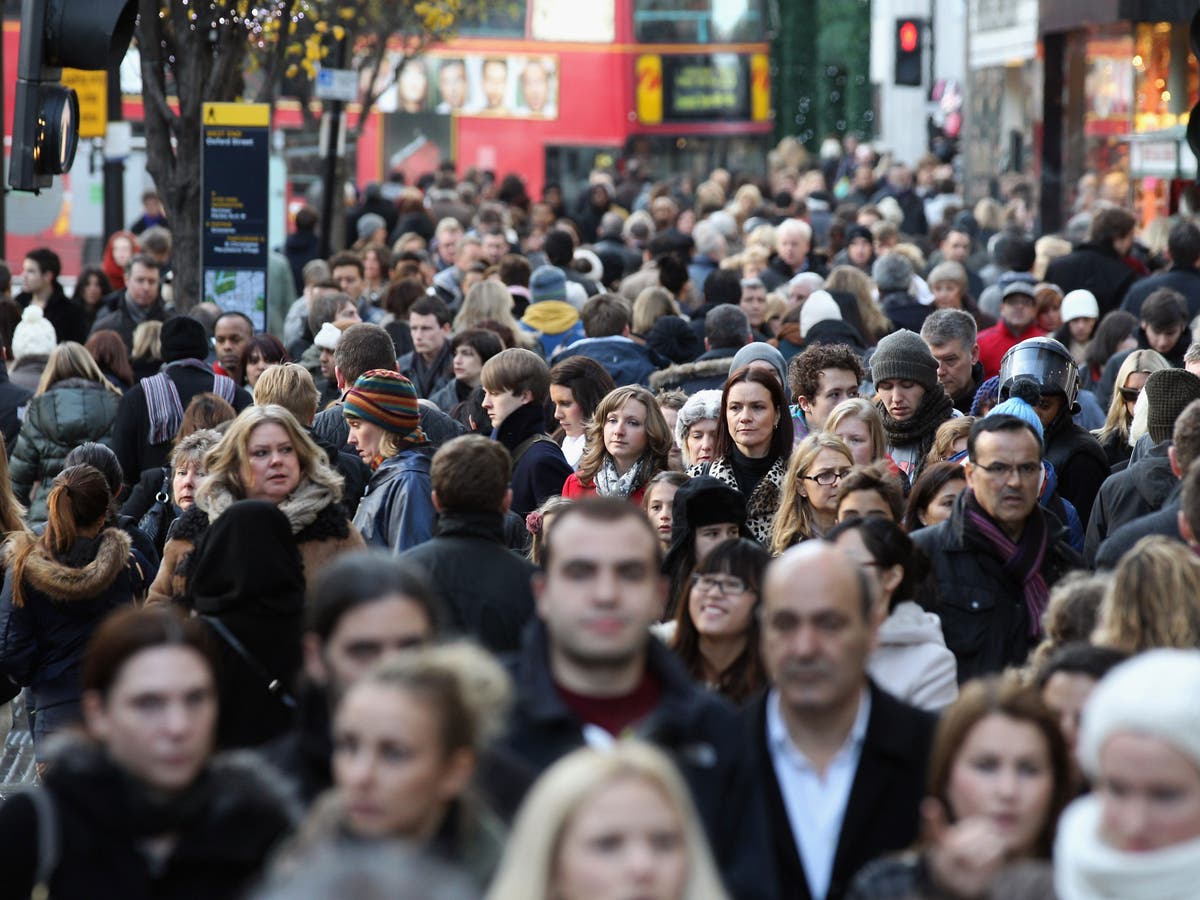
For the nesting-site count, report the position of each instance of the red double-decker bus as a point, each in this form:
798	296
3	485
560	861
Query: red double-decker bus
548	87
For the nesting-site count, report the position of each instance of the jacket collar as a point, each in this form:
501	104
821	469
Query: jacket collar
487	526
520	424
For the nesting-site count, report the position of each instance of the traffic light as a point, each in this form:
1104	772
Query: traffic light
78	34
908	52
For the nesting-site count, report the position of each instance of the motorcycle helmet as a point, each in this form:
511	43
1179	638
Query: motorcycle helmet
1048	363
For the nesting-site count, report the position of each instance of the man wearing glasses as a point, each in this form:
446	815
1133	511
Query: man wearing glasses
996	557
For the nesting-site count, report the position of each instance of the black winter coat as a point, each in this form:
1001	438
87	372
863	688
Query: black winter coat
1139	489
882	810
120	321
709	372
12	398
42	641
698	730
225	825
542	469
1079	462
1164	523
69	318
1185	279
984	617
1096	268
905	310
483	585
131	432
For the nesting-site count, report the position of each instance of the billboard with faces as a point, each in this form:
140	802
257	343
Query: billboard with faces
518	86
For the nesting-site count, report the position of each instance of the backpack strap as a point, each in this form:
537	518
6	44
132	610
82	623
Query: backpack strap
522	448
274	686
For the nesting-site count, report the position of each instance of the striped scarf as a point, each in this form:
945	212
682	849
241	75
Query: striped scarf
1021	562
163	405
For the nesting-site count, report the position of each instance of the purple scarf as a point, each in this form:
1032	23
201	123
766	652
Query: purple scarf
1021	562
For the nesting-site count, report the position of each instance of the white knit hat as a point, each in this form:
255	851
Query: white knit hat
34	335
1154	694
1080	304
327	338
819	307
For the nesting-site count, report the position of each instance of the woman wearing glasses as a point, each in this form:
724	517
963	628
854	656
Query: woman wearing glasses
810	490
716	630
1131	378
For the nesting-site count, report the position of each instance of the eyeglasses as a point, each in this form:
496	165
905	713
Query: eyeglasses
725	585
825	479
1130	395
1001	471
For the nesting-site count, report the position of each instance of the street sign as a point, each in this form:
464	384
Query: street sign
92	90
337	84
235	154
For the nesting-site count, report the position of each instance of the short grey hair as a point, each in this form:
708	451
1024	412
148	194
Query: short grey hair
948	271
314	272
700	406
192	449
1192	354
708	238
797	225
946	325
727	326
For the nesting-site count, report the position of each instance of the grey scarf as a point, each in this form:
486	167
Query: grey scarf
610	484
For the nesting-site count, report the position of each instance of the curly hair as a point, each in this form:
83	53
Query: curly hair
804	372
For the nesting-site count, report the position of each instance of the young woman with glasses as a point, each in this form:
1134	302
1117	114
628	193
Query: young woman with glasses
1131	377
716	631
810	490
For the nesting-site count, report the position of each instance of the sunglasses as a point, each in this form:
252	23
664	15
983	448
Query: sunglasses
1130	395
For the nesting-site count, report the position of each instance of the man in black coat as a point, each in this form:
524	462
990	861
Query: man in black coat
1164	519
1183	246
1099	264
990	594
726	331
1150	481
139	303
590	672
39	278
825	730
151	411
516	383
484	586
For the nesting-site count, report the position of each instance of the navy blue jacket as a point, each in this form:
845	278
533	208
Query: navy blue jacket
627	361
699	730
397	510
1185	279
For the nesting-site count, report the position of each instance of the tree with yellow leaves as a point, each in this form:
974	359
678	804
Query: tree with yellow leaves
199	51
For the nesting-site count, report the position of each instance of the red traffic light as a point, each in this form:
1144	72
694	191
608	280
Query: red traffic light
908	36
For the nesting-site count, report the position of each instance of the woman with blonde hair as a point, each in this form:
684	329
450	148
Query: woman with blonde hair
264	455
950	440
562	847
651	305
146	355
628	443
74	404
1131	378
851	280
1153	600
810	490
857	422
490	301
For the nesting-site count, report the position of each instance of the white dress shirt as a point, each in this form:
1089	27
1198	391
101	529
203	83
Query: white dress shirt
815	804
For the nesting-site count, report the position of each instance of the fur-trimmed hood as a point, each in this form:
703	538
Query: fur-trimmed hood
89	568
703	368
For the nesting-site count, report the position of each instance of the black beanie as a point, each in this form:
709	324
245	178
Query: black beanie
183	338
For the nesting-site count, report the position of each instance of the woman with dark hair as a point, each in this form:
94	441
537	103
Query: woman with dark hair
260	351
754	441
658	502
705	512
377	266
137	803
911	660
716	630
397	297
577	385
999	776
628	444
931	499
111	355
471	349
1116	333
91	287
104	460
60	587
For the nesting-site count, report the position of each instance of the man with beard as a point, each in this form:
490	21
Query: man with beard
841	761
590	672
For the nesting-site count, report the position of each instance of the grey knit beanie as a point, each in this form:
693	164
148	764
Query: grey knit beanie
892	272
757	350
903	356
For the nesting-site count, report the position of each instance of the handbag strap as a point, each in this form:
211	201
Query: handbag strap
164	493
274	686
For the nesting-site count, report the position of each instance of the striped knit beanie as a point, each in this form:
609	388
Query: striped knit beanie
387	399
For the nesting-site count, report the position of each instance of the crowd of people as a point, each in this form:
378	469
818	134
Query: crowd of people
799	534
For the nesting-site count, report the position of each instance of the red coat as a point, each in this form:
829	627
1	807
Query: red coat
994	342
573	489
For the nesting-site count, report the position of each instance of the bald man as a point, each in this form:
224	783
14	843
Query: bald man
842	761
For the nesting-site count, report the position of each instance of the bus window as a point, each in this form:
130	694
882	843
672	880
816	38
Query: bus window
703	22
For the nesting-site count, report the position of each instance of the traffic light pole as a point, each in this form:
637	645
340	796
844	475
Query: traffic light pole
331	192
114	165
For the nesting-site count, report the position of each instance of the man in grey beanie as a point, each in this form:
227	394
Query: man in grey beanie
893	275
910	399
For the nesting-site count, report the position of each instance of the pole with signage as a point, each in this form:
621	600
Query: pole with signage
235	157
